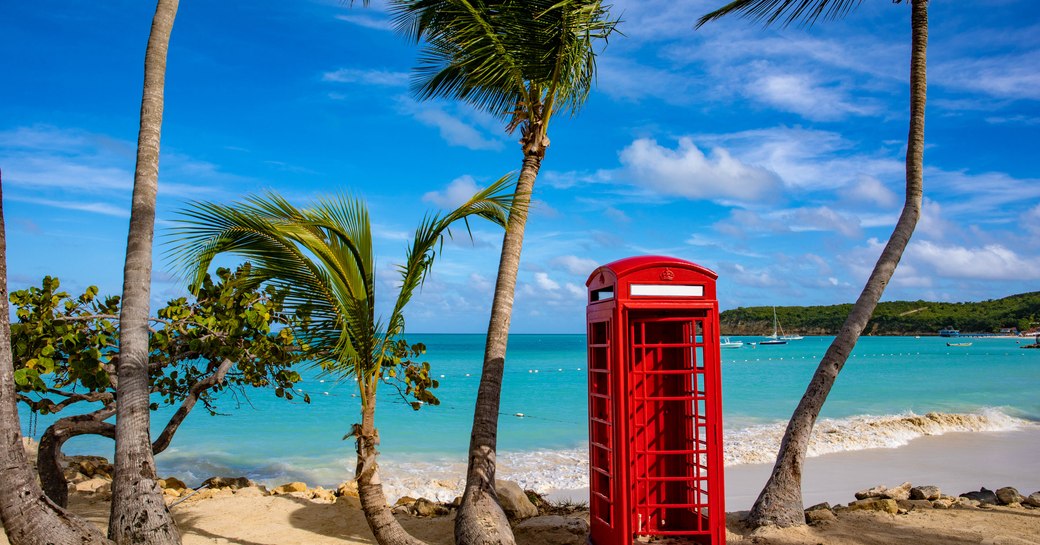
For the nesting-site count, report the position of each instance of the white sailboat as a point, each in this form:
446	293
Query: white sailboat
774	338
726	342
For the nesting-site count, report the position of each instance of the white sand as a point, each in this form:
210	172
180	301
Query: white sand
955	462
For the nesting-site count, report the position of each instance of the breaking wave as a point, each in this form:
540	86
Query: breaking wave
548	470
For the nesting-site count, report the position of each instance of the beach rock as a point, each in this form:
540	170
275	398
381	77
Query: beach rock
233	483
402	510
211	493
288	488
930	493
514	501
90	466
983	496
426	508
874	492
347	488
819	514
92	485
875	504
1009	495
172	483
552	530
942	503
405	501
966	503
911	505
1033	500
322	495
901	492
251	492
171	493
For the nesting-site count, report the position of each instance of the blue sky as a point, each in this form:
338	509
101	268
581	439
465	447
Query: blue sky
773	156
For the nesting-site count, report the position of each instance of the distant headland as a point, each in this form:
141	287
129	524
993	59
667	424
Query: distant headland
1011	315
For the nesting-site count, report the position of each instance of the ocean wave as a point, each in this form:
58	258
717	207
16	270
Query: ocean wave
442	479
546	471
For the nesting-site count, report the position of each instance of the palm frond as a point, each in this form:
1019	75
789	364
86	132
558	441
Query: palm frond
507	57
805	12
491	203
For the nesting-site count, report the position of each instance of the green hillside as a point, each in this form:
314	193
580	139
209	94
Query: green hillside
891	318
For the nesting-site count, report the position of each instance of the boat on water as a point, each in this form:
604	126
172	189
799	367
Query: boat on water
791	337
949	331
958	344
726	342
774	338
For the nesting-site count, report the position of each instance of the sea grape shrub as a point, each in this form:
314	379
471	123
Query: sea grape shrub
411	378
65	347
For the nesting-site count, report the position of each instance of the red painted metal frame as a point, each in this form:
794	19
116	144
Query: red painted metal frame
655	405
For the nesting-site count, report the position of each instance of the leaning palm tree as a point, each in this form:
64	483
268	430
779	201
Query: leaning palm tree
323	256
523	61
26	514
138	512
780	502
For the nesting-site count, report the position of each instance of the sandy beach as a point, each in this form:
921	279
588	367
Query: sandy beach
955	462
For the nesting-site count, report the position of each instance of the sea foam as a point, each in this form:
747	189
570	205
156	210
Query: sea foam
548	470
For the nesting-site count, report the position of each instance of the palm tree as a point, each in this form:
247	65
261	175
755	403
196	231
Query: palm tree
139	513
28	517
323	255
780	502
523	61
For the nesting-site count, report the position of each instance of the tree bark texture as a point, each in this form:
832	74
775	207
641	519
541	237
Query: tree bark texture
139	514
28	517
480	520
48	463
780	502
385	527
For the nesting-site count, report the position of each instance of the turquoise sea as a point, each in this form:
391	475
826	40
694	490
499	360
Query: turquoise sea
988	386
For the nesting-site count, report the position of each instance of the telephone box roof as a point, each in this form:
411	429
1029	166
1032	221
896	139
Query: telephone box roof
628	265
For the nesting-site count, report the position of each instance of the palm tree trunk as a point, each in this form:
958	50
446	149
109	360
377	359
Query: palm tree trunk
386	529
480	520
139	514
780	502
28	517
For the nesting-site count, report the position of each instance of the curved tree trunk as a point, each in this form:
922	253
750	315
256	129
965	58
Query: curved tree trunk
386	529
780	502
139	514
28	517
48	465
480	520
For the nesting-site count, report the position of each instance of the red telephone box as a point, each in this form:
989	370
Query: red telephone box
655	404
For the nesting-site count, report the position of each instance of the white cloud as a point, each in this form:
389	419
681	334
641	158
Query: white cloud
81	206
458	191
1031	220
990	262
574	264
543	281
386	78
870	189
686	171
800	94
368	21
1011	77
452	128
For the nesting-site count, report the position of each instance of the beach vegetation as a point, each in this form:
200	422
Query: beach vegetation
28	518
780	501
323	256
523	62
230	335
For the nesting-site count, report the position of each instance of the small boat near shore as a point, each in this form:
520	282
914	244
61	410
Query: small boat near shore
726	342
774	338
958	344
